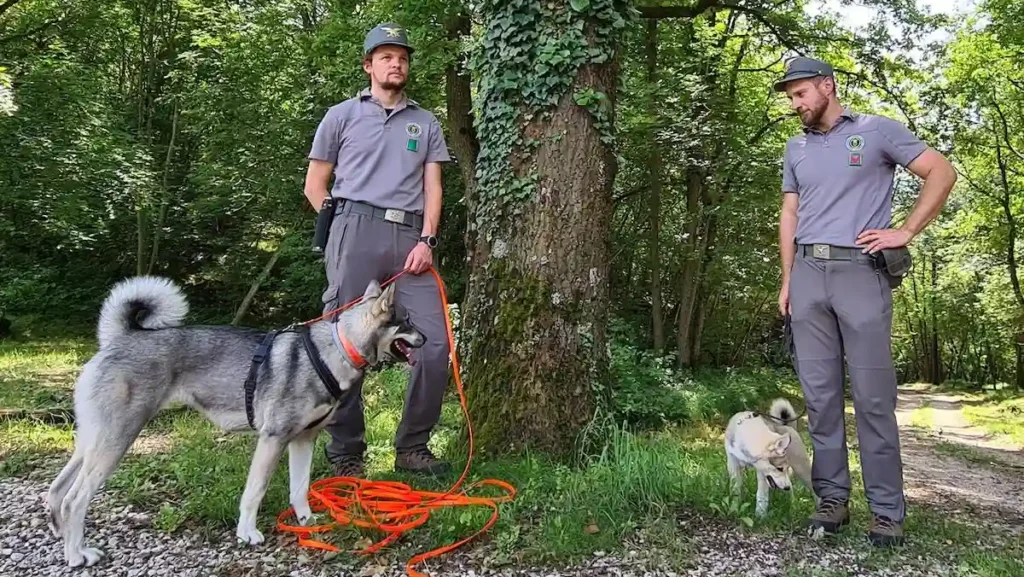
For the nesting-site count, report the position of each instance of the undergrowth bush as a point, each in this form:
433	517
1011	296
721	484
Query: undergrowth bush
647	392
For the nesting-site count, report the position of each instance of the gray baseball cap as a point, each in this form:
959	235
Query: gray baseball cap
802	67
386	33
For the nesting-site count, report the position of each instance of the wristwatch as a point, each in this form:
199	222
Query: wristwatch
431	240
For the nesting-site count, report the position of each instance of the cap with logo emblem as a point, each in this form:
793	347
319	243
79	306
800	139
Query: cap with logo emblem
387	33
802	67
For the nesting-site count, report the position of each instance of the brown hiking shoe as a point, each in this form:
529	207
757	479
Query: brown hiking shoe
831	515
349	466
421	461
885	532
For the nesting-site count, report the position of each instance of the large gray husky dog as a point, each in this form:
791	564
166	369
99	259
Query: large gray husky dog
147	360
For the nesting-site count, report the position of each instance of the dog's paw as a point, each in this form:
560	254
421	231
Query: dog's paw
303	513
249	536
53	524
85	557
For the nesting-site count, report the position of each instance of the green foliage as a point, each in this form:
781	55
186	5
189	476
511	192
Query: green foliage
528	57
735	507
626	484
649	393
172	136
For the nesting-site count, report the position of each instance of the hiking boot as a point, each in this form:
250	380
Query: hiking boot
421	461
349	466
831	515
885	532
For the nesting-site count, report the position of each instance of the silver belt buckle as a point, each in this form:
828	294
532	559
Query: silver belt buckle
821	251
394	215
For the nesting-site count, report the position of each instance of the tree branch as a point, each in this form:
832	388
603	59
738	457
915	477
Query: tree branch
627	194
977	187
784	39
29	32
7	6
764	129
1005	126
888	91
677	11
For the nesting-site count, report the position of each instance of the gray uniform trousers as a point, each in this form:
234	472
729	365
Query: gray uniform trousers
361	248
845	306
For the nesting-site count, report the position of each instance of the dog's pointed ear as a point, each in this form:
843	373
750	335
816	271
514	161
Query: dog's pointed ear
382	306
372	290
780	445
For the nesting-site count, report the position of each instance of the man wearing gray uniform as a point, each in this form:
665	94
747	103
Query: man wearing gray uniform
837	185
384	152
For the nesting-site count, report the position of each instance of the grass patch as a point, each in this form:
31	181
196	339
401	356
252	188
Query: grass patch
39	375
922	418
999	413
625	479
968	453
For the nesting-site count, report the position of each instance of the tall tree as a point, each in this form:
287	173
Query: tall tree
536	310
654	162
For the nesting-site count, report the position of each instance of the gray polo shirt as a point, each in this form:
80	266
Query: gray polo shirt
379	158
844	177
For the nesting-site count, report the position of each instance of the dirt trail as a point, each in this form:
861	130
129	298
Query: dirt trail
954	465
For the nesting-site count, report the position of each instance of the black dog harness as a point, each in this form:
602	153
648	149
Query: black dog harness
330	383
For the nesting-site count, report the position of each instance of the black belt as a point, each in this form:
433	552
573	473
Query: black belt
394	215
326	377
832	252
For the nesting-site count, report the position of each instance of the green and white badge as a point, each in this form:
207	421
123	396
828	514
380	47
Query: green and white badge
413	130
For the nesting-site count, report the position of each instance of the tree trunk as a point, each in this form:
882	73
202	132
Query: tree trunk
936	372
1011	223
537	302
654	180
145	15
460	121
691	266
703	294
256	284
165	194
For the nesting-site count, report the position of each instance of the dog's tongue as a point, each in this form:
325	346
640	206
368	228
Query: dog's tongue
405	351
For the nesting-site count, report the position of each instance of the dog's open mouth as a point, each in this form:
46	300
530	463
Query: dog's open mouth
402	351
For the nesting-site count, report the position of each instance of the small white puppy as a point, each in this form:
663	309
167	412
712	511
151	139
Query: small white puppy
771	446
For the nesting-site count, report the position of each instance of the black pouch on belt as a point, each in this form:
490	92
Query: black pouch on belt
323	224
895	263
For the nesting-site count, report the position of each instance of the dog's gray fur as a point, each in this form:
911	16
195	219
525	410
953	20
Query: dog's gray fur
771	446
148	360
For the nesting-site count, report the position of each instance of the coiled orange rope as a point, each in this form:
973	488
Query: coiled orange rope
392	507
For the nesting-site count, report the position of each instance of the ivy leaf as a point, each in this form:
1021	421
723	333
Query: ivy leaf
579	5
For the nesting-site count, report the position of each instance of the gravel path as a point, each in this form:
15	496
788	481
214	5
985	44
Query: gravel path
950	482
713	549
709	548
991	495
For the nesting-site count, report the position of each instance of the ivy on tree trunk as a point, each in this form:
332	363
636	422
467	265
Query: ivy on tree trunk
536	308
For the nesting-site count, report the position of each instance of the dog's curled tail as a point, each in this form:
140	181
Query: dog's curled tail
144	302
782	411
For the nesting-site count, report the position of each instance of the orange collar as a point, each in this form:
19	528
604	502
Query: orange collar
350	350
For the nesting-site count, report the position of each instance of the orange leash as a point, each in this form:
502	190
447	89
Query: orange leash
392	507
